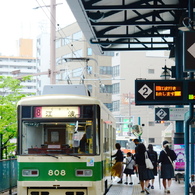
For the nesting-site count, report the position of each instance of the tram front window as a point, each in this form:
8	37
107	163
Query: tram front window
58	138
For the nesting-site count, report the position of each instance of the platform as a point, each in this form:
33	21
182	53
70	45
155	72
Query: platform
135	189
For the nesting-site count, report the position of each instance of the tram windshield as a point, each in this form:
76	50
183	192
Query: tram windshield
44	138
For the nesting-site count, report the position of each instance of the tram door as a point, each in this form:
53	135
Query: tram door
56	137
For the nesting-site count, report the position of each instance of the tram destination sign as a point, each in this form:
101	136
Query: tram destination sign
56	112
159	92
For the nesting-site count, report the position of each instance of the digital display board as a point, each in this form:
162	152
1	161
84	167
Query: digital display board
164	92
56	112
158	92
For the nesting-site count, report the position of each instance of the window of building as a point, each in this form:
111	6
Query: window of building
151	123
105	88
115	105
58	43
151	140
106	70
108	105
150	71
77	36
116	71
89	51
66	40
115	88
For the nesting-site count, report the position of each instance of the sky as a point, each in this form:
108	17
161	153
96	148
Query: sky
19	19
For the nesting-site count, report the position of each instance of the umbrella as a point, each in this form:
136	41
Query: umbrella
159	175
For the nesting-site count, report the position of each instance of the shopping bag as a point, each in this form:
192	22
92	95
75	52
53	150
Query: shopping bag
148	162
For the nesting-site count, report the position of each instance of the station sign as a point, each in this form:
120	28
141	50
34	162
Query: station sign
164	92
158	92
170	114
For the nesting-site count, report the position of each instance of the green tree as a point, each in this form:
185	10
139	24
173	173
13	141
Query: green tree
10	94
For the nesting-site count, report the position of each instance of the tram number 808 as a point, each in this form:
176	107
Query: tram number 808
56	172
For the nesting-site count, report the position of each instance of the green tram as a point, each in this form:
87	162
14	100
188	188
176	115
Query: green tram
53	156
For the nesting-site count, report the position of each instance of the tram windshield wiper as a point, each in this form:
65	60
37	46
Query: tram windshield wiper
51	155
73	155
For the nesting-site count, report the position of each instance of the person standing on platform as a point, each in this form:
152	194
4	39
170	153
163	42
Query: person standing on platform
144	174
117	168
166	158
154	159
136	142
129	169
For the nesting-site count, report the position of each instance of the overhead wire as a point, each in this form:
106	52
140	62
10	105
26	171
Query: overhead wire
61	36
54	18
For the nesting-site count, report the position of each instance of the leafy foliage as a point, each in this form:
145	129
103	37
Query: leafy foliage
10	94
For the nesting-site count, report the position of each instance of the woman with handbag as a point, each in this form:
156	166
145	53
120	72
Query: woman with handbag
145	174
117	168
166	158
154	159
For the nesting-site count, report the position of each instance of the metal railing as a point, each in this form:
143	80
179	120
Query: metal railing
8	174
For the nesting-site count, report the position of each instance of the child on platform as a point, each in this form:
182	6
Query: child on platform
129	169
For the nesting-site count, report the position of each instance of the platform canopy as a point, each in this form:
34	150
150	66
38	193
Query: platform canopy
124	25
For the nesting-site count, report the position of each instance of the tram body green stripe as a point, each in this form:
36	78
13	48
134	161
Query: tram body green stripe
49	171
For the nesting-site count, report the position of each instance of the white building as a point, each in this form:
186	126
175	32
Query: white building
43	61
24	64
131	66
76	63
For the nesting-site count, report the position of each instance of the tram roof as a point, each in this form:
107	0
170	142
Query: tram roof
113	25
58	99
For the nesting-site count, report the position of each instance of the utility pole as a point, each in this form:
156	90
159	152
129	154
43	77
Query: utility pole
52	72
52	41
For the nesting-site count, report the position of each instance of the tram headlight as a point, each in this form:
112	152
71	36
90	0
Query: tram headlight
84	172
30	172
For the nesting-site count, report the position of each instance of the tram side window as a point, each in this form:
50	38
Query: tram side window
97	138
106	138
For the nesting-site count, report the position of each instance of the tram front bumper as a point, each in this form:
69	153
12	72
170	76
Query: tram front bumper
56	184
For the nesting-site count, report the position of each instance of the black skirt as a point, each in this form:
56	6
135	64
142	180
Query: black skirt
144	173
128	171
167	171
